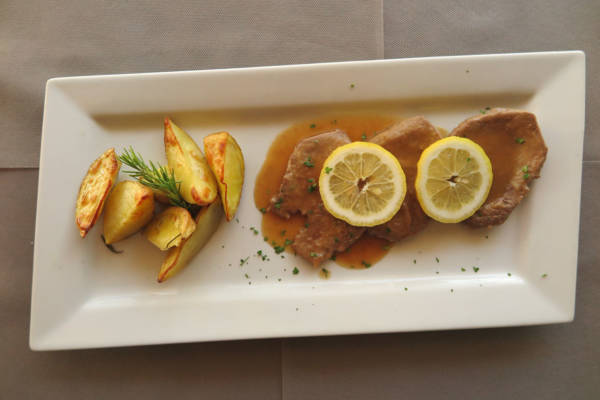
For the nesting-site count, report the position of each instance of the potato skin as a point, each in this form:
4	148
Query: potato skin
94	190
207	222
189	165
129	208
226	160
170	227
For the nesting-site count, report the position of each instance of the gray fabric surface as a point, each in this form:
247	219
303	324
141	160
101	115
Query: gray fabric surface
44	39
478	27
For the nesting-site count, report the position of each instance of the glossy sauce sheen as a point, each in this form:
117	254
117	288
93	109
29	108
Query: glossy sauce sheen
367	250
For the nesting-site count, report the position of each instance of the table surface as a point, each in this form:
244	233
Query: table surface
542	362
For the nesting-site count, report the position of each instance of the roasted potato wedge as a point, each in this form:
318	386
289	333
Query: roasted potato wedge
226	161
207	222
170	227
185	158
161	197
129	208
94	190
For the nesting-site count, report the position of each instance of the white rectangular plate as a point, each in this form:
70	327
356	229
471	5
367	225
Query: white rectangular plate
85	296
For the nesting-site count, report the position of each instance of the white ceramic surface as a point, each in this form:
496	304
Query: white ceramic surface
85	296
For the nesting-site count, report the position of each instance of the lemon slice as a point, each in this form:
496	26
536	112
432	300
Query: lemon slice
362	183
454	177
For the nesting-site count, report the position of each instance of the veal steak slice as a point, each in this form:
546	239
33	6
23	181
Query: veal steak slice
513	141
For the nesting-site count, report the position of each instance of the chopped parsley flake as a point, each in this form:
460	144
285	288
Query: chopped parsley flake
328	170
325	272
313	126
306	225
366	264
406	289
387	229
288	242
308	163
246	275
363	136
332	258
525	176
334	121
262	255
263	210
282	233
520	140
414	261
468	159
266	239
237	220
352	85
525	168
310	180
313	254
451	290
335	239
243	261
278	203
312	188
437	260
476	269
295	271
254	230
509	274
544	275
462	269
279	249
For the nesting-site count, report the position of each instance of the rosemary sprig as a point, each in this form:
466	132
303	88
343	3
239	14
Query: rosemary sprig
156	177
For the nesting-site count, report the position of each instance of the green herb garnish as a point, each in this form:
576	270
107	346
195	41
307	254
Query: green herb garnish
263	210
476	269
243	261
366	264
312	188
279	249
308	163
156	177
363	136
328	170
520	140
295	271
313	126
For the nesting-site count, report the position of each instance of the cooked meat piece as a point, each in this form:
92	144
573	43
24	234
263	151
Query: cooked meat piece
406	140
514	144
323	236
298	190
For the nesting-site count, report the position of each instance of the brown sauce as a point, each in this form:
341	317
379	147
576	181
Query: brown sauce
367	250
